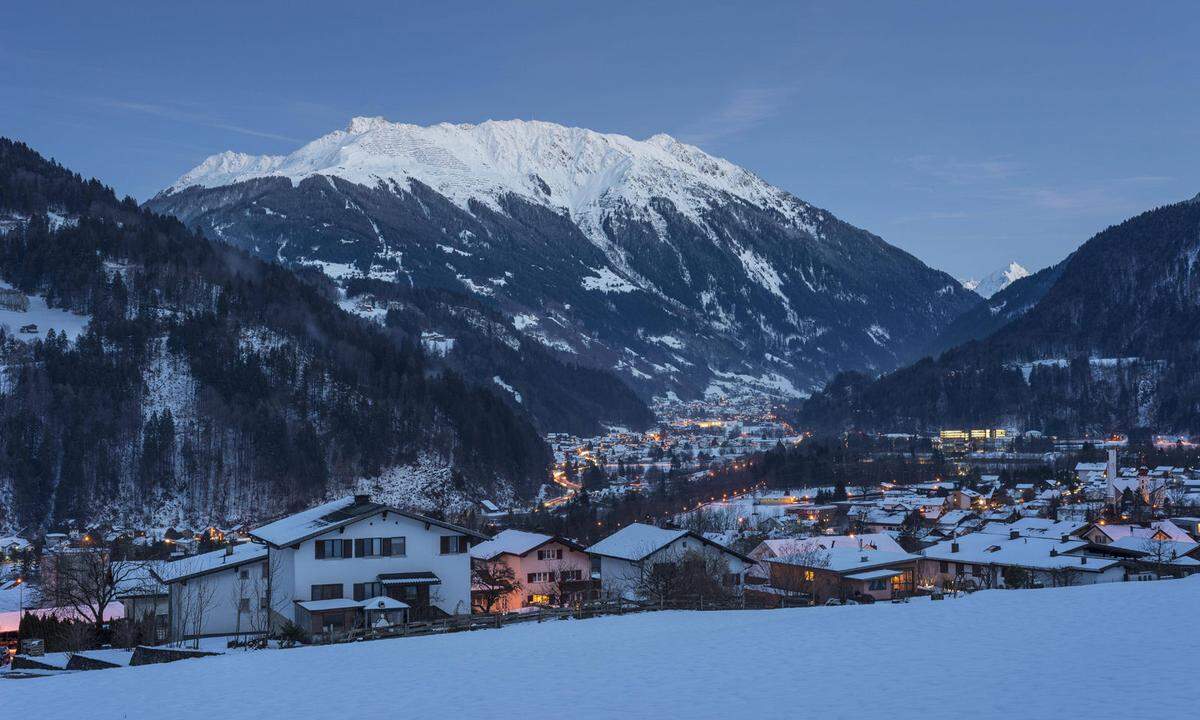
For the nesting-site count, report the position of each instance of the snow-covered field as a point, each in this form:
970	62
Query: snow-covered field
1103	651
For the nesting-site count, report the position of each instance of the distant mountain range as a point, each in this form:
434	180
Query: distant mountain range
1106	340
996	281
681	272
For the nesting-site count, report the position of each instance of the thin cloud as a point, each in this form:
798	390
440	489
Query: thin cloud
747	109
965	172
932	216
174	113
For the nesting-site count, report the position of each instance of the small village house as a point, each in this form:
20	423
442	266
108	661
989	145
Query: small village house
550	570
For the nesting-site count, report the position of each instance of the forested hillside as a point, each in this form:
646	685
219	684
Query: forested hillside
209	384
1111	345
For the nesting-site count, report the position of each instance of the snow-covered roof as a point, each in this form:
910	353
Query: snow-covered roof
1166	527
324	605
874	574
334	514
1158	548
212	562
872	541
383	602
843	560
515	542
15	542
636	541
136	578
1029	552
1034	527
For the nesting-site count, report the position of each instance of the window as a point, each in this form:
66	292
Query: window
550	554
332	591
329	549
596	565
539	599
362	591
244	605
368	547
809	575
540	577
262	602
571	575
379	547
943	567
731	579
244	574
453	544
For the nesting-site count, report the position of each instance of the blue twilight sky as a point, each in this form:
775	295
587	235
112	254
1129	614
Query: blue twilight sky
968	134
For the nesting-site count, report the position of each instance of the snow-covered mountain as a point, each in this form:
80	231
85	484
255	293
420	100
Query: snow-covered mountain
996	281
682	272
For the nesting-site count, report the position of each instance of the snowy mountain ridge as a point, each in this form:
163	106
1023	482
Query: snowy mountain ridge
591	242
996	281
584	173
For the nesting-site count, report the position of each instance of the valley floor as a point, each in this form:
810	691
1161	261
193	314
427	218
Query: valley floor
1105	651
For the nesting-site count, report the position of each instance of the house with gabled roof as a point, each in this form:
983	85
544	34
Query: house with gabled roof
331	566
223	592
623	558
990	560
551	571
862	574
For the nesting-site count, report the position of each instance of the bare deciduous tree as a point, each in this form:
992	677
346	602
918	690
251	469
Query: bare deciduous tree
88	580
492	581
677	575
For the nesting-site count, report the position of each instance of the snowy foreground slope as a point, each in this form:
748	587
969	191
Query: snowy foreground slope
1062	653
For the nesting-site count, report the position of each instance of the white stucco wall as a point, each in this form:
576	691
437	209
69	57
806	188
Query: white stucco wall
422	554
618	577
208	604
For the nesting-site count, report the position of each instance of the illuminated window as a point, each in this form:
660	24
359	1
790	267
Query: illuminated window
539	599
809	575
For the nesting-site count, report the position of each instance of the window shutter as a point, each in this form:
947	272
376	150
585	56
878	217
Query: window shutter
347	548
445	544
387	547
320	548
359	549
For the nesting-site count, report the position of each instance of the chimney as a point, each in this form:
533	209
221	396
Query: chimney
228	550
1053	552
1013	534
362	499
1066	538
1083	560
953	547
864	559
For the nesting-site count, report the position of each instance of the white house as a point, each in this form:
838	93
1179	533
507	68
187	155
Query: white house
551	570
622	559
223	592
332	563
988	559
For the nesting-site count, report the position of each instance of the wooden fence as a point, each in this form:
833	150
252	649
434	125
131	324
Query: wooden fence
463	623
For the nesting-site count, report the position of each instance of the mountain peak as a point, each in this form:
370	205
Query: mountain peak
996	281
586	173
